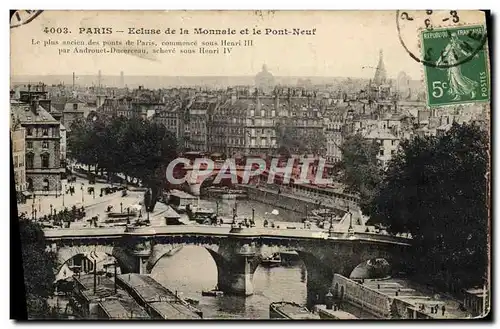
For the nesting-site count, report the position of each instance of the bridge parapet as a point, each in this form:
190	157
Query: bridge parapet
218	231
236	254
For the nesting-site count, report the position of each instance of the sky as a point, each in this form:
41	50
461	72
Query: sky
346	43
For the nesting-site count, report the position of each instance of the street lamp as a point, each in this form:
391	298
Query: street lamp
63	188
39	205
50	210
35	215
33	211
121	207
351	229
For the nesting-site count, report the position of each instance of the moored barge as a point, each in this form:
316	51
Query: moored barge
290	311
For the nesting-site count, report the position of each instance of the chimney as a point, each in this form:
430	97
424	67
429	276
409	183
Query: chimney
34	105
45	103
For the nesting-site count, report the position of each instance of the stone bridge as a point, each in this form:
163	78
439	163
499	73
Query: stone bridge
236	252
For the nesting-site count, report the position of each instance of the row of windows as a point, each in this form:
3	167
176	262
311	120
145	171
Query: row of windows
263	113
29	145
45	132
393	141
263	142
18	178
30	160
168	122
18	161
224	130
253	132
231	141
382	152
332	148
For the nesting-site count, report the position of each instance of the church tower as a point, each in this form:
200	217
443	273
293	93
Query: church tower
380	74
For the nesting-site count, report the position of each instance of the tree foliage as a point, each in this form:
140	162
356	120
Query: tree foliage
436	188
137	148
38	269
362	172
292	140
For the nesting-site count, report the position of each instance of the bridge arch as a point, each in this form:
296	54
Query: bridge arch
161	250
374	268
66	253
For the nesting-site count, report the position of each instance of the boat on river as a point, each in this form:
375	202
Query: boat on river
289	257
272	261
331	314
212	293
192	301
290	311
199	214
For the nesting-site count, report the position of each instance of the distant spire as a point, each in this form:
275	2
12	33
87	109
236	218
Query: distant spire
380	74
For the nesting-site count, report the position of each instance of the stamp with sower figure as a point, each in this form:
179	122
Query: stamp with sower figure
453	52
455	65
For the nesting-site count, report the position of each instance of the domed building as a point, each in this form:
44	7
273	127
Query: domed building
264	80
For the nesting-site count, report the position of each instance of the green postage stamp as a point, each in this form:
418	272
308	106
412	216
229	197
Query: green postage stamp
456	65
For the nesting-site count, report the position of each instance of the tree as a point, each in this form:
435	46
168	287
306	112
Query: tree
80	141
137	148
362	172
292	140
317	143
39	268
150	148
436	189
288	139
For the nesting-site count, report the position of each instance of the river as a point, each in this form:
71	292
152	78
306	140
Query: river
193	269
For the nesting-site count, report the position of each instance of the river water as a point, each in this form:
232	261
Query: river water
193	269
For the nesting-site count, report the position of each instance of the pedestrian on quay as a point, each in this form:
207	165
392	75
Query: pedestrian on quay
443	309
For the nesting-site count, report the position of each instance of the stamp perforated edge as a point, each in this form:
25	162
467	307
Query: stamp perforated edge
423	74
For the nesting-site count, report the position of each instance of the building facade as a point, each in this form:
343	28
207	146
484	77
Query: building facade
17	135
42	145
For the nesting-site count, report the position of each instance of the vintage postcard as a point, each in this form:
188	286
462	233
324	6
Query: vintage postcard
296	165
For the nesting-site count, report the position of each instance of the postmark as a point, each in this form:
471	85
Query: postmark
456	65
410	23
22	17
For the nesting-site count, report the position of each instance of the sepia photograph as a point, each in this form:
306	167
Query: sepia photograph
250	165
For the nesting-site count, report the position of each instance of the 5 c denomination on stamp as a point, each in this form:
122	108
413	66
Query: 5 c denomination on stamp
458	70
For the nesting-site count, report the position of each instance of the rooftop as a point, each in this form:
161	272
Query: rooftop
24	113
116	309
172	311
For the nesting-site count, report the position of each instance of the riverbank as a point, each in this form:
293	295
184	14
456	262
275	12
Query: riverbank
292	202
